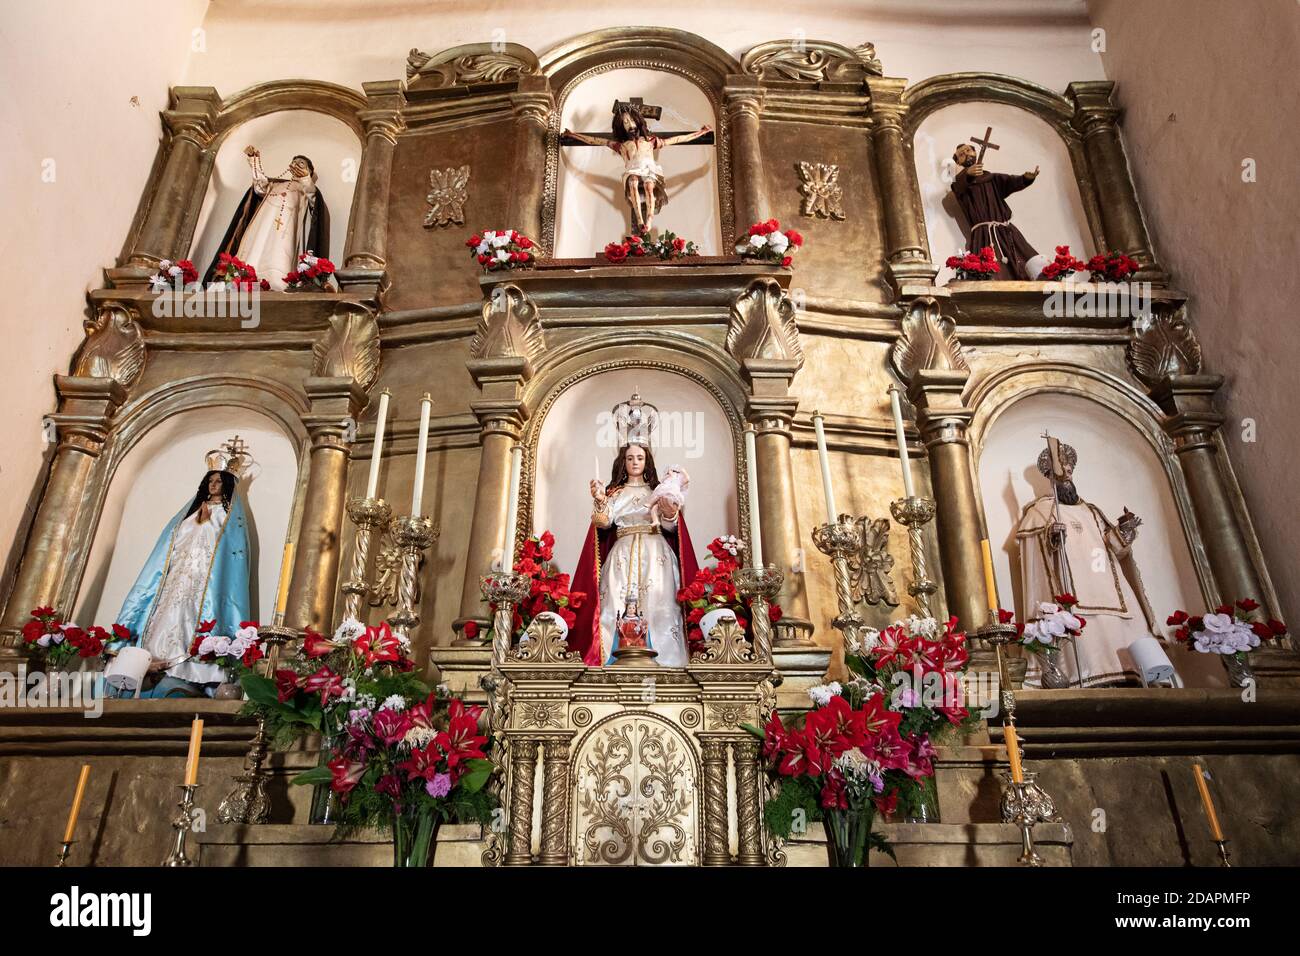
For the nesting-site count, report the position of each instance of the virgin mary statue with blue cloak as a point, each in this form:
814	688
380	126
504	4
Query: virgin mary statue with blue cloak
198	571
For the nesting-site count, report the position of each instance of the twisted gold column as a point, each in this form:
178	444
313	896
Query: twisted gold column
749	803
555	800
523	767
714	750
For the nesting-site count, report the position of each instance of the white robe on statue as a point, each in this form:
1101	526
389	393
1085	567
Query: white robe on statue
271	241
1106	599
175	617
647	563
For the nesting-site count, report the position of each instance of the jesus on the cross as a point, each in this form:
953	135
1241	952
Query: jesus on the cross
643	177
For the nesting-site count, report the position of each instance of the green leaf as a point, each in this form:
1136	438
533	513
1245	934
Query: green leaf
754	730
313	777
477	776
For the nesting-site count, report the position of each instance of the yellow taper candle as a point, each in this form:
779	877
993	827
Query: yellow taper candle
1213	817
1013	752
286	572
76	803
192	761
990	583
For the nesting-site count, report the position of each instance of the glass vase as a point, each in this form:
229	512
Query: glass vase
415	833
1239	670
1052	676
324	802
927	806
846	835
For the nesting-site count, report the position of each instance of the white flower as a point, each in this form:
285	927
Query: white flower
443	690
349	630
221	645
239	645
821	694
926	627
1035	632
502	255
489	235
758	242
1052	625
501	241
1219	623
482	247
742	248
157	284
870	640
303	266
1047	607
777	241
44	640
395	702
418	737
174	271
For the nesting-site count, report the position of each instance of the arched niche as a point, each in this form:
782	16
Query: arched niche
1050	212
571	444
330	143
1122	463
590	206
159	473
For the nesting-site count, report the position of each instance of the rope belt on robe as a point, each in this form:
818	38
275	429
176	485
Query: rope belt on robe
637	529
993	233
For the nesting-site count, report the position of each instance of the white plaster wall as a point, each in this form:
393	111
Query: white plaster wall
592	210
83	84
694	434
1117	469
1049	213
331	146
162	473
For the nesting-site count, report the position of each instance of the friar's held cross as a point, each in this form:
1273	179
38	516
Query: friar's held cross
985	143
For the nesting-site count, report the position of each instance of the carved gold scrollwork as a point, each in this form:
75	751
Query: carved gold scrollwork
350	349
542	643
872	565
113	347
928	341
1167	346
822	194
447	196
510	326
726	644
763	325
540	714
811	61
470	64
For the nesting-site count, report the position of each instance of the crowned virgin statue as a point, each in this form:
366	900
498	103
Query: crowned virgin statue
277	221
198	571
637	552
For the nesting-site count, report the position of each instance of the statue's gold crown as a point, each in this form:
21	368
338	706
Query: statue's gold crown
636	421
232	456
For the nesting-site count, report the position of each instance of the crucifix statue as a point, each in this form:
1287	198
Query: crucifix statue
643	177
982	198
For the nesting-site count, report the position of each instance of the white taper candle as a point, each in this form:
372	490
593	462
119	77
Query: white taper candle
421	451
751	484
512	509
372	483
832	514
897	409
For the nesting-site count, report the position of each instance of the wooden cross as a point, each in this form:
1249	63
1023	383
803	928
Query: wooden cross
650	112
985	143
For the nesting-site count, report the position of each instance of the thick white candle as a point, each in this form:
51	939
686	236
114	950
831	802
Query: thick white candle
421	451
908	490
372	484
832	515
512	509
751	483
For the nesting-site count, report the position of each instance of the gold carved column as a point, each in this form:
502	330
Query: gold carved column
173	210
335	402
556	792
532	104
523	768
928	357
46	570
749	802
742	105
366	251
897	184
1095	117
714	757
1192	422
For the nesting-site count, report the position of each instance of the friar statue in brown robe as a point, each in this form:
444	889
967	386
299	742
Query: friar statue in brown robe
982	197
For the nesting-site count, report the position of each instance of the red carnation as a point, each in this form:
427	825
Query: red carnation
616	252
786	261
1248	604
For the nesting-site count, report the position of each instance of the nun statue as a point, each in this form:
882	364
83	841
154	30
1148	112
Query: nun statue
198	571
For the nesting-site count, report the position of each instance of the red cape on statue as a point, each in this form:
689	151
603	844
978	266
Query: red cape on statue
583	636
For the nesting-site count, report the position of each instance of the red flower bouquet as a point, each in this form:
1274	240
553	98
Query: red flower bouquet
713	588
59	643
496	250
237	274
974	266
548	590
1111	267
768	243
666	247
175	276
313	272
238	653
1063	266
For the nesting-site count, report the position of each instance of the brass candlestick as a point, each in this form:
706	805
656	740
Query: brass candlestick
413	534
760	585
66	848
505	589
368	514
840	542
183	823
914	513
1223	852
